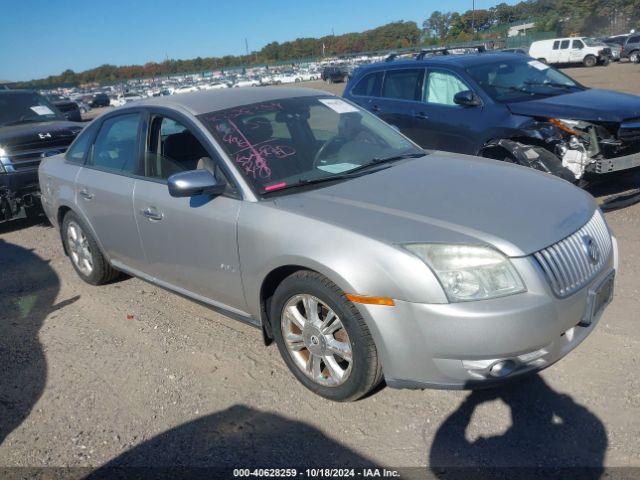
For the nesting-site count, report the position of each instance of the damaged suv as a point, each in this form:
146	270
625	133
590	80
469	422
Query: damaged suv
31	128
506	107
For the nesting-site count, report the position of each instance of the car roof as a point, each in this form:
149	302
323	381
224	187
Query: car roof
206	101
452	60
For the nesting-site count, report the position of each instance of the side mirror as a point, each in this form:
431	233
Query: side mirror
195	182
467	99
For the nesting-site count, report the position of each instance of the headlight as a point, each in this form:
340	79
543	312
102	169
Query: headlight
3	159
469	272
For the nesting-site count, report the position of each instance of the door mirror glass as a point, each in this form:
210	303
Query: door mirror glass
195	182
466	99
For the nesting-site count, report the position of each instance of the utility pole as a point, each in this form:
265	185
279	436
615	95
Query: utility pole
246	46
473	17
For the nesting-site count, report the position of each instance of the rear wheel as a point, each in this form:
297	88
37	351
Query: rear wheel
590	61
634	57
84	252
323	339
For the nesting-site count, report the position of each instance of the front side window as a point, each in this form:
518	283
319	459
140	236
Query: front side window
172	148
402	84
291	141
634	40
516	80
578	44
116	146
369	86
442	86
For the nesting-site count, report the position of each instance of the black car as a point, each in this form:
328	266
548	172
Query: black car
504	106
99	100
31	128
69	108
334	74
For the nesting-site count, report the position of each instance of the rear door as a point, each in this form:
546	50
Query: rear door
104	188
445	125
189	243
399	101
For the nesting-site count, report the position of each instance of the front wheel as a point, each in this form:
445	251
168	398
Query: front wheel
634	57
590	61
323	339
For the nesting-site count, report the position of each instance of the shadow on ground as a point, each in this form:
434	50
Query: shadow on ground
28	289
550	436
238	437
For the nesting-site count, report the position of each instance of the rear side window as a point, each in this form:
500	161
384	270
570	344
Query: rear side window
635	39
402	84
369	86
115	147
556	44
565	44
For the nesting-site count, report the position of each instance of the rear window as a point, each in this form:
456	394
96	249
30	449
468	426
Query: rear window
369	86
402	84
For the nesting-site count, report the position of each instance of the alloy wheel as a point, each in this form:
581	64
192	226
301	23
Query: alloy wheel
316	340
79	248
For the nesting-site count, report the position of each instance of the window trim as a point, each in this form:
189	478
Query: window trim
131	111
428	70
90	130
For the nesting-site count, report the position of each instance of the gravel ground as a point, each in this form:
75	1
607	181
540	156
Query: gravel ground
84	384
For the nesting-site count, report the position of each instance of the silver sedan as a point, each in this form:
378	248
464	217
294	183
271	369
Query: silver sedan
364	257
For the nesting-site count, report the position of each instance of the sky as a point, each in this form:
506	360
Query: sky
45	37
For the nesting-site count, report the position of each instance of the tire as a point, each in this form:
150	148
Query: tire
85	255
634	57
590	61
605	61
542	60
360	374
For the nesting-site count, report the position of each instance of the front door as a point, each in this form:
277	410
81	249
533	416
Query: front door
444	124
104	189
190	243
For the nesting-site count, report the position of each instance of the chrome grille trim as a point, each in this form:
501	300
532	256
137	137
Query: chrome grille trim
567	264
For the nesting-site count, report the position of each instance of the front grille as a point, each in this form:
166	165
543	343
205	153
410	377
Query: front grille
28	159
569	265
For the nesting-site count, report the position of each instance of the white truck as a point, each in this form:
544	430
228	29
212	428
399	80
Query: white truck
571	50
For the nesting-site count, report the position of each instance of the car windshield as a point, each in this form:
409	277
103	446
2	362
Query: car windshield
26	107
520	79
295	141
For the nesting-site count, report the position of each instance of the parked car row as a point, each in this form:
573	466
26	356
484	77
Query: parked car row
363	255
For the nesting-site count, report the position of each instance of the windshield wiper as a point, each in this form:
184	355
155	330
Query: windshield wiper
353	173
550	84
22	120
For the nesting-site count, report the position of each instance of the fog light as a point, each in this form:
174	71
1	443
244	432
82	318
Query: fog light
502	368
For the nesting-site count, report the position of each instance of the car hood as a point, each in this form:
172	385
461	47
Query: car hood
589	105
35	135
452	198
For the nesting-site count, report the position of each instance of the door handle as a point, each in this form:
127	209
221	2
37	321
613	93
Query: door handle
151	214
86	194
421	115
375	108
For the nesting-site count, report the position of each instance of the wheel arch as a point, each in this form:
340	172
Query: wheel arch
61	212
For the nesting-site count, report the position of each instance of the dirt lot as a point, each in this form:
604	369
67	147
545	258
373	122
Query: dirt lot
83	385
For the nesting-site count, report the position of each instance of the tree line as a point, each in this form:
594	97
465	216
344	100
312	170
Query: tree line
565	17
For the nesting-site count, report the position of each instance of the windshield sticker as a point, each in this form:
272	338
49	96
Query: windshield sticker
337	167
539	65
42	110
337	105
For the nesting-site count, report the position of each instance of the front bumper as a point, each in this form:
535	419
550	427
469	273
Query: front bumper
456	345
610	165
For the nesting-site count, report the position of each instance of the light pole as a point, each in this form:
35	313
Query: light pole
473	18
